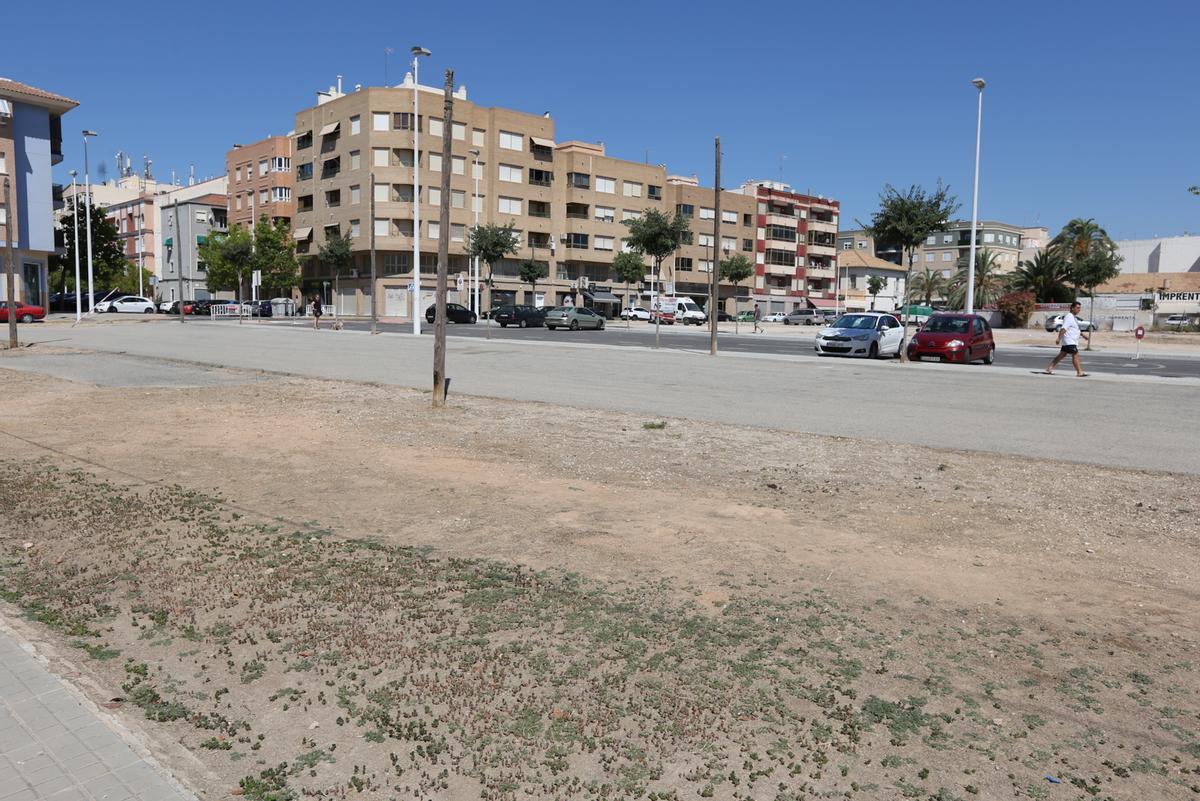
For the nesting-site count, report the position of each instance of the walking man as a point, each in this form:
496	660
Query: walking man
1068	339
758	329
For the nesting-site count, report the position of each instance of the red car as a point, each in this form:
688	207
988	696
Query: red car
24	314
954	338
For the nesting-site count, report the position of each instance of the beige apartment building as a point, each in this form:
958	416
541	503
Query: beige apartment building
261	181
566	199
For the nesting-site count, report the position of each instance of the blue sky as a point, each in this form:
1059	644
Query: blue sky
1092	108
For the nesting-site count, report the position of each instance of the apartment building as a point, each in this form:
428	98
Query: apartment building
199	215
261	181
948	251
700	253
30	145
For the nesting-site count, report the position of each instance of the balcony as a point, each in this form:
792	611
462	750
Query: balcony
820	271
781	220
779	269
825	226
577	211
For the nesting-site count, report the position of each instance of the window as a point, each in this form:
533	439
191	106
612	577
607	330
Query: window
781	233
333	197
434	230
237	173
355	195
686	237
458	232
476	169
263	167
604	243
356	159
729	217
629	214
946	257
606	185
989	237
379	157
686	209
435	162
928	258
379	120
847	245
747	219
263	196
510	173
932	240
237	202
947	239
458	199
706	240
707	214
782	258
458	131
434	196
683	263
383	193
201	216
579	180
509	205
512	141
605	214
577	241
304	140
403	121
435	127
478	137
632	189
705	266
458	165
861	245
355	229
540	177
747	245
728	243
281	164
356	124
654	192
383	226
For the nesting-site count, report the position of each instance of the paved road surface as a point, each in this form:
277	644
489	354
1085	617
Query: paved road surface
1117	420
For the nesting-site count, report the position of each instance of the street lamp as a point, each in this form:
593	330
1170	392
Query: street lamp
417	52
75	218
475	205
979	84
87	188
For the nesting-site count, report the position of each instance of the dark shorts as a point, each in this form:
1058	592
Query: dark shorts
1071	349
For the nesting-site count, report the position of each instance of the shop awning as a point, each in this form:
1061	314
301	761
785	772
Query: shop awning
302	233
602	297
823	304
330	128
541	142
201	239
169	241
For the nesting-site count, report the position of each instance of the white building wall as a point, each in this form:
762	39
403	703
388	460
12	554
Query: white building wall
1172	254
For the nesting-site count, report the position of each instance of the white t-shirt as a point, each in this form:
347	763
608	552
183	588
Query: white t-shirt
1070	329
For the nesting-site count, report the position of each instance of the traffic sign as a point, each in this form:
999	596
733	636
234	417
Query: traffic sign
1139	332
459	282
411	285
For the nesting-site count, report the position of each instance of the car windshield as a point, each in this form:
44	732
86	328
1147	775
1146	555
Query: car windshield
854	321
947	325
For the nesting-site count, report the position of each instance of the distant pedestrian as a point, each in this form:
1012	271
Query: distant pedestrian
758	329
316	313
1068	339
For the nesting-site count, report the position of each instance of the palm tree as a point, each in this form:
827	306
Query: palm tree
1091	256
875	285
989	283
929	284
1079	238
1046	276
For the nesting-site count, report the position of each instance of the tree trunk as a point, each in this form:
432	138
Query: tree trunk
630	316
439	319
907	310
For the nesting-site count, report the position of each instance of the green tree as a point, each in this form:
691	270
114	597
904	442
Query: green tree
630	268
657	235
110	267
337	254
929	284
275	256
989	283
1091	255
531	272
875	285
1046	275
906	220
736	269
491	243
227	258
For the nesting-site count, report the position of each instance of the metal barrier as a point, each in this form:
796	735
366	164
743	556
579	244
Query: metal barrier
224	311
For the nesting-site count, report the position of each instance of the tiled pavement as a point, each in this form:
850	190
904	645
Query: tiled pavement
52	747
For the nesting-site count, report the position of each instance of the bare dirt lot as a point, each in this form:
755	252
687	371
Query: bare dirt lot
327	589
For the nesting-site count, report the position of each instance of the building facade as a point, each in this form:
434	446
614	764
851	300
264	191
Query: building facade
855	269
261	181
186	221
30	146
1169	254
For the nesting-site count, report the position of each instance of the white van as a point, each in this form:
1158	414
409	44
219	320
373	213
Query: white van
670	309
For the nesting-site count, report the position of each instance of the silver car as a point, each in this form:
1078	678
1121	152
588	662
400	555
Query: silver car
870	334
574	318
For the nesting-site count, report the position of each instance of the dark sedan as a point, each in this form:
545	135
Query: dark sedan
455	313
521	316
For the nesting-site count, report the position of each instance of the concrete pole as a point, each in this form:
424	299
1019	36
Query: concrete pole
714	263
979	84
179	260
439	319
374	306
87	188
10	283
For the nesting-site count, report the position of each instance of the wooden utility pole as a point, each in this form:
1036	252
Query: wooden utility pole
439	309
715	265
10	283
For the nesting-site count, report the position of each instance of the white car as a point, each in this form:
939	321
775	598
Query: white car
775	317
870	334
131	304
1054	322
1176	321
636	313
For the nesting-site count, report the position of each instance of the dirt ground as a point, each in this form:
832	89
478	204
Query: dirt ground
329	588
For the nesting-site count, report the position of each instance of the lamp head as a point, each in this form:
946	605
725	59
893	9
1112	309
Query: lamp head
90	133
979	83
72	173
474	152
420	51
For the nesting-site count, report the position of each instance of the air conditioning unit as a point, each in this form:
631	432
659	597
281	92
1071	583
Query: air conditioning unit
562	237
5	109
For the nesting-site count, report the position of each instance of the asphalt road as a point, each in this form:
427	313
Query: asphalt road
1118	420
696	339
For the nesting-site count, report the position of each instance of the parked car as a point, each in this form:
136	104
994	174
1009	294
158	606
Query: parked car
1176	321
129	304
869	334
23	312
774	317
953	338
1054	322
724	317
455	313
574	318
520	315
804	317
635	313
164	306
745	317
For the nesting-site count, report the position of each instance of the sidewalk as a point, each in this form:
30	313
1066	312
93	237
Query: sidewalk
53	748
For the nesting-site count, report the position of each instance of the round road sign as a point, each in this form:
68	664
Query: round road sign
1139	332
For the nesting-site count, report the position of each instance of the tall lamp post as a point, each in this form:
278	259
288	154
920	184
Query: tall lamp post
475	204
979	84
87	189
10	278
417	52
75	217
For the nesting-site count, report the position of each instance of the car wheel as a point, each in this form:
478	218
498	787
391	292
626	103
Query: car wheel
990	357
27	318
473	319
504	325
574	325
148	311
873	353
601	326
520	324
112	310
